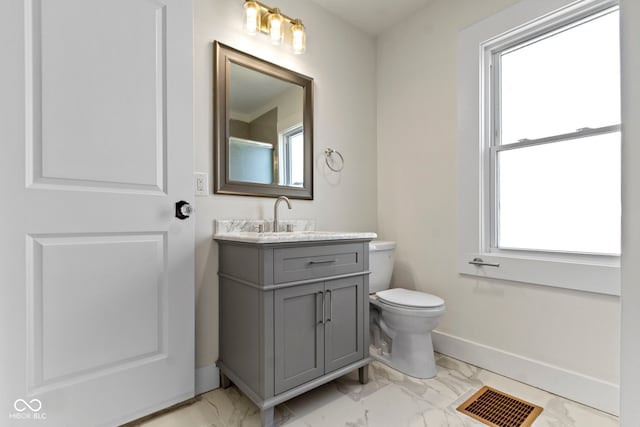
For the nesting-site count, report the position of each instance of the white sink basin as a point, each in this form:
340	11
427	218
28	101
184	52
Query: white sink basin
295	236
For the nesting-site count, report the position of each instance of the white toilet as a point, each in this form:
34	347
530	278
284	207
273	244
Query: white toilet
401	320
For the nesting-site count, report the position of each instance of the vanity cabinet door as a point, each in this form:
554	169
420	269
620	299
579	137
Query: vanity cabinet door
299	335
344	327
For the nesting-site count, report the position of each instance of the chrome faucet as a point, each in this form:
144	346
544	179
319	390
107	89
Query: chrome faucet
275	211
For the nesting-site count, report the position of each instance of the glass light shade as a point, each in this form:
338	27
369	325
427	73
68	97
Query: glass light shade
276	27
251	17
299	37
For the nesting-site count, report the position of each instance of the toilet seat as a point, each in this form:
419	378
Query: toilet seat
408	299
433	312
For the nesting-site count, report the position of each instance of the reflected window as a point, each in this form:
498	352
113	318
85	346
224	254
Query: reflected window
265	113
292	157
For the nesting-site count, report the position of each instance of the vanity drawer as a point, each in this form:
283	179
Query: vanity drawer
302	263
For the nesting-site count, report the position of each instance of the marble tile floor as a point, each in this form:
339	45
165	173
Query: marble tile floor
390	399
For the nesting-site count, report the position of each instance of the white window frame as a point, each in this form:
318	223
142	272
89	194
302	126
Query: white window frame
477	44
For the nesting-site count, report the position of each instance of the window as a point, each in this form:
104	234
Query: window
292	157
556	144
544	145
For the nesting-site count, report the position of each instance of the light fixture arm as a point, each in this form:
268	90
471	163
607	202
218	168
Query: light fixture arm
261	18
264	12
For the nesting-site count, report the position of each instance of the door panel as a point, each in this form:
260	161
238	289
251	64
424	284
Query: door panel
344	328
299	335
94	85
111	280
96	273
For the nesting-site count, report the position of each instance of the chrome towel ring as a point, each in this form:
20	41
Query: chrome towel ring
335	163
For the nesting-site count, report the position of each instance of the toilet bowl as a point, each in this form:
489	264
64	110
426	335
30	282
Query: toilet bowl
401	320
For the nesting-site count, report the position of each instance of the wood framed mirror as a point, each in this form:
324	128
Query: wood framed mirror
263	127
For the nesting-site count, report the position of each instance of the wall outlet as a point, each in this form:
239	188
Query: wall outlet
201	183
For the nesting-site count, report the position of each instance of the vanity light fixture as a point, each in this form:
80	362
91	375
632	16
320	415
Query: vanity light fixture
259	17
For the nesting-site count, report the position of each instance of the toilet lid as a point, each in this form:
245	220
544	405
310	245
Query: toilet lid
407	298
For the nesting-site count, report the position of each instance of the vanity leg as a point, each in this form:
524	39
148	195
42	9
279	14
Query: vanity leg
225	382
266	417
363	374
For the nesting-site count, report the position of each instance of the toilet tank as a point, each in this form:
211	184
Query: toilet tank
381	257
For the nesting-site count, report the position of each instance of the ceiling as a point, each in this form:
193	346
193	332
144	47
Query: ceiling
373	16
251	89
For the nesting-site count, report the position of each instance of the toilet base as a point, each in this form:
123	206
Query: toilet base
420	364
401	337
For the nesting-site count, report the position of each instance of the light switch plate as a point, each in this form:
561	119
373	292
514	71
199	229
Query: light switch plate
201	183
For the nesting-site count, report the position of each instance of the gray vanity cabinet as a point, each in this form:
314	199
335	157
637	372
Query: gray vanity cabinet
293	316
318	329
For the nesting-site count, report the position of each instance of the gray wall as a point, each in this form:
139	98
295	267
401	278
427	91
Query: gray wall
239	129
265	128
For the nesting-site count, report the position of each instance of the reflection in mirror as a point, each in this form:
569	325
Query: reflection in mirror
263	127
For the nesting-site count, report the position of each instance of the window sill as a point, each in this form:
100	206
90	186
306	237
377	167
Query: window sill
587	276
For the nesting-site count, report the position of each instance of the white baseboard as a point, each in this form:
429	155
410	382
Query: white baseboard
207	379
581	388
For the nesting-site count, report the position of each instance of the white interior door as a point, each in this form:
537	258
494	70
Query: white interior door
96	272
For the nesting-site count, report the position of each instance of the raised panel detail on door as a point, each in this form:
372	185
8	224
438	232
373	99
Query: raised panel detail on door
95	303
95	93
344	326
298	335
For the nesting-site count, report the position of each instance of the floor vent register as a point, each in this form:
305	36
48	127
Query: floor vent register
498	409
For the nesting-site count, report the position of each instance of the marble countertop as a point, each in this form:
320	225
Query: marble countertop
246	230
288	237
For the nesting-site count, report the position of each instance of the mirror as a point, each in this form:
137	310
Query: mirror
263	116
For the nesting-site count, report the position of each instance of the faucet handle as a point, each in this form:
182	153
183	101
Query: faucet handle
261	228
289	228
